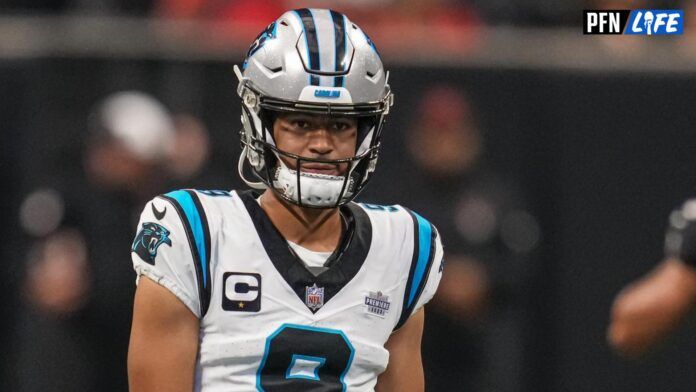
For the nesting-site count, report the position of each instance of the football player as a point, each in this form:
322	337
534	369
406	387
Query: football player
646	311
290	286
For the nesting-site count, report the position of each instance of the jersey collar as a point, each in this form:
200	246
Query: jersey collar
344	263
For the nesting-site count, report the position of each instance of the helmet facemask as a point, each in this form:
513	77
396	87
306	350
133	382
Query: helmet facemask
307	189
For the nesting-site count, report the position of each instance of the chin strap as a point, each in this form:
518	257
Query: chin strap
315	190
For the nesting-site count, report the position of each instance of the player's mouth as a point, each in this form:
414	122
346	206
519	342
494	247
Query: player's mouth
321	168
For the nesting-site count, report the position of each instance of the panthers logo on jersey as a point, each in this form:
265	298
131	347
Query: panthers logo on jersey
150	237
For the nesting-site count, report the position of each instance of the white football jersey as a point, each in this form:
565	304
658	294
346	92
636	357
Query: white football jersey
266	322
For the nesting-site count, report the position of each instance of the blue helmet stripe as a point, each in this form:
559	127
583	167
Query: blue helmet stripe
312	41
340	36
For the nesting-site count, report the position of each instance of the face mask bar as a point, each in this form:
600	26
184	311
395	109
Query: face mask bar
330	109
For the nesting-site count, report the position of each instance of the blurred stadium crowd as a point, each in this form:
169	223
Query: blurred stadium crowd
447	12
507	163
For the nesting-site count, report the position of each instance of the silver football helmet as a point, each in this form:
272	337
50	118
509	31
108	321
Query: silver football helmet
313	61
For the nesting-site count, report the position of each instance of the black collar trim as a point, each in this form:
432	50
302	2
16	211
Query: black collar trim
343	264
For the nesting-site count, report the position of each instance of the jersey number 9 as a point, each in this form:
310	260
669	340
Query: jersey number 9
299	358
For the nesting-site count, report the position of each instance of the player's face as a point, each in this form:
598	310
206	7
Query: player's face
313	136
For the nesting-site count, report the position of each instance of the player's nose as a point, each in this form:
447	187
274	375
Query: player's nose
320	142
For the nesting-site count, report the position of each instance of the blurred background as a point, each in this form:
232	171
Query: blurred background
548	160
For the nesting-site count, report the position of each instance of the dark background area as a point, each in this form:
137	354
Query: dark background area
601	156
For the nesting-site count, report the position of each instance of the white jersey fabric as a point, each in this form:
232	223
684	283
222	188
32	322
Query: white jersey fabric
267	323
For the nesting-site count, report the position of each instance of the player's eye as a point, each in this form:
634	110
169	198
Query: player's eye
301	123
340	125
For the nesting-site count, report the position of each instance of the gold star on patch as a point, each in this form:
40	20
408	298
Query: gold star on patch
241	305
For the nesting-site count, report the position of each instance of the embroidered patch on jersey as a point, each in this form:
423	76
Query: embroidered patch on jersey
149	238
377	303
241	292
314	297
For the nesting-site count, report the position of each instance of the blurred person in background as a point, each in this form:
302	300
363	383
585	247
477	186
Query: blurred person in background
474	330
73	333
647	311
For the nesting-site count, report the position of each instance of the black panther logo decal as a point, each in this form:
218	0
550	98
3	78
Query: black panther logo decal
268	33
150	237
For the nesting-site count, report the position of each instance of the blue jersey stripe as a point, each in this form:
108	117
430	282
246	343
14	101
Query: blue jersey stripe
425	232
195	222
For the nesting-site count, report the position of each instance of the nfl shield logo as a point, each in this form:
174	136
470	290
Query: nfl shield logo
314	297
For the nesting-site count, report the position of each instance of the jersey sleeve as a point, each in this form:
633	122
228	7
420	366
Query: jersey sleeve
434	275
162	252
425	269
